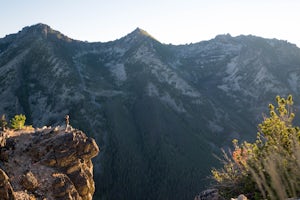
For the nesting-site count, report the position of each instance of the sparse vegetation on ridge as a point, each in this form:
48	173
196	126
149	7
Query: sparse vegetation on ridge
269	168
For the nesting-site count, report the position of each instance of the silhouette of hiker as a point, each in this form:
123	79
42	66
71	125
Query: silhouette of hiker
67	118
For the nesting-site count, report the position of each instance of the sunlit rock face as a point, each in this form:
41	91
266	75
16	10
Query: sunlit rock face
157	111
51	163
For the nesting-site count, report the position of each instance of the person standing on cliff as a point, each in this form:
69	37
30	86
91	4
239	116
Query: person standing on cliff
67	118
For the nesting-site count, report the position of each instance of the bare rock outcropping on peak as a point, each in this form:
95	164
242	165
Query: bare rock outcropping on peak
47	163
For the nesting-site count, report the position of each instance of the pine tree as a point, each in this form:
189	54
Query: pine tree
18	121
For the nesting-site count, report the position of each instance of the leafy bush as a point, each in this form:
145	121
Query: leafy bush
18	121
269	168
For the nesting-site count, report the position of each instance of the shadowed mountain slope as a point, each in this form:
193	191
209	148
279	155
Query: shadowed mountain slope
158	112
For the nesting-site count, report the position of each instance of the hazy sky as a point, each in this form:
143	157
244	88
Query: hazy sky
169	21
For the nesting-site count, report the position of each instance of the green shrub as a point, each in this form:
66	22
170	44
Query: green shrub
269	168
18	121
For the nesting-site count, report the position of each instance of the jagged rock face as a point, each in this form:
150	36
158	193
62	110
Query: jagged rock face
157	110
51	163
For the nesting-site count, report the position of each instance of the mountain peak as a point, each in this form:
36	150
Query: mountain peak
223	38
38	28
40	25
45	31
138	34
141	32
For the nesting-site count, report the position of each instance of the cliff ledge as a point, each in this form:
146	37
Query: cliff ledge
46	163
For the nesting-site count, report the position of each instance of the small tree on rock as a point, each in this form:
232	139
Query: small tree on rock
18	121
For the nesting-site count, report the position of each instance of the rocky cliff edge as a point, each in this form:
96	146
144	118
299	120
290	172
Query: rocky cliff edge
47	164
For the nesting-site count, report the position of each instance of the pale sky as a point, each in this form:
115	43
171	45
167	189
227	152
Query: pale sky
169	21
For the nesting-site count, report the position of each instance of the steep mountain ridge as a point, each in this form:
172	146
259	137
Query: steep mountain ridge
160	111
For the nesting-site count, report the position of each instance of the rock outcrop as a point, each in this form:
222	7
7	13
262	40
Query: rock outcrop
47	164
209	194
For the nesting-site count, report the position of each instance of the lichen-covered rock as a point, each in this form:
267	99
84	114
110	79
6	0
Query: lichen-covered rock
57	163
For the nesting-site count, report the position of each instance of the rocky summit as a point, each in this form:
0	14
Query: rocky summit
159	112
47	163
